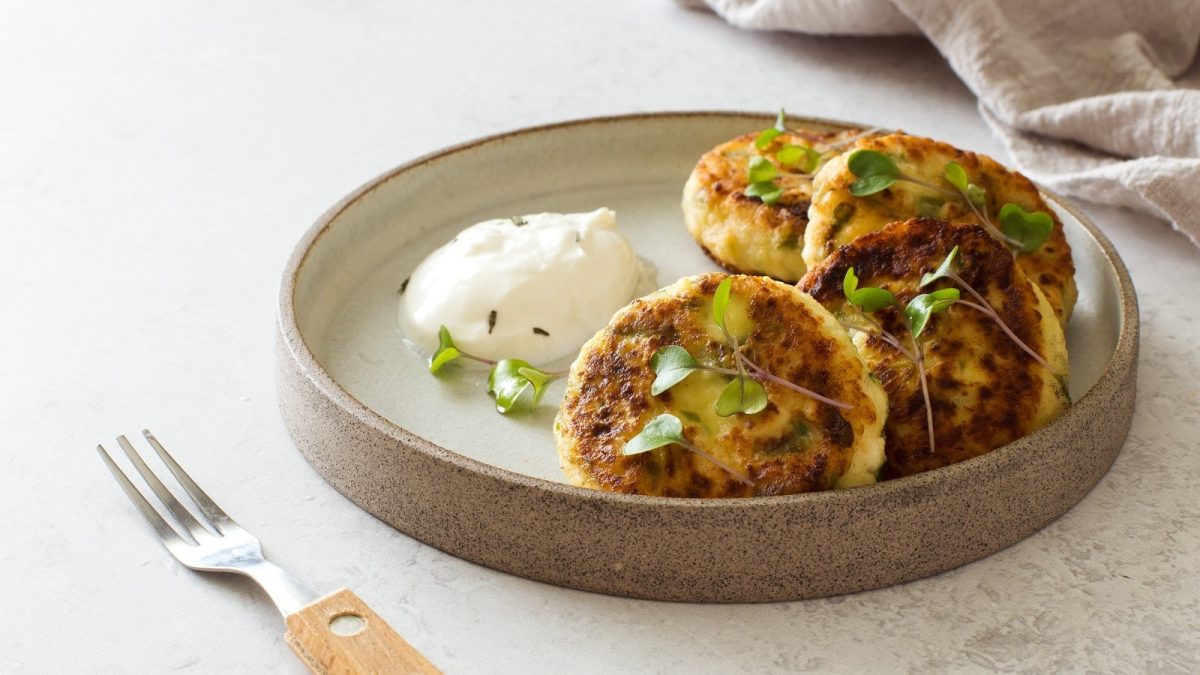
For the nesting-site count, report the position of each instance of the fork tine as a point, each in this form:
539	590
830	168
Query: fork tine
165	532
210	509
182	515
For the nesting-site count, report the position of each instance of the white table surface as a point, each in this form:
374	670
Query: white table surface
158	160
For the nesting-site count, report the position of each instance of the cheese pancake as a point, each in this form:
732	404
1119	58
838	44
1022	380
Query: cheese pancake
795	444
985	390
838	217
740	232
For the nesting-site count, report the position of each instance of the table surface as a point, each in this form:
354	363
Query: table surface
158	161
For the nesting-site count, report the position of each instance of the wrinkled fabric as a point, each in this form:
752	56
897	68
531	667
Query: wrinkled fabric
1083	93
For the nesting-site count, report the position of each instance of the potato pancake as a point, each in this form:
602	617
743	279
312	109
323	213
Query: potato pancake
795	444
838	217
740	232
984	389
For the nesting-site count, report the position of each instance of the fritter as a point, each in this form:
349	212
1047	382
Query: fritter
984	389
740	232
795	444
837	217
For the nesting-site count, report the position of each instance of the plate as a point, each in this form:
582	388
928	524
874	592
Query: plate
432	458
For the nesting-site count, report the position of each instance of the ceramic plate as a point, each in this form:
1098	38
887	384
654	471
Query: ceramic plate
431	456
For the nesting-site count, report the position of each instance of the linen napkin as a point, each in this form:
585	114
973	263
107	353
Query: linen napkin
1083	93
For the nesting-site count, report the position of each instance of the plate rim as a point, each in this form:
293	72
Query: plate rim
1124	351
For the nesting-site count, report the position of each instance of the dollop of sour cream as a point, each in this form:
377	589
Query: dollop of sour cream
532	287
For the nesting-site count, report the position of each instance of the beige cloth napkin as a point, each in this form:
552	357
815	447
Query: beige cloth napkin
1082	92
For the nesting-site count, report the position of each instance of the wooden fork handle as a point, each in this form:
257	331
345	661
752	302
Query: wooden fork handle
339	634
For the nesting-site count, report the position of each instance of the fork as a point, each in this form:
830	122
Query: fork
337	633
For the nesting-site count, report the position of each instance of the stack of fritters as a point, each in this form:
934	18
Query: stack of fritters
984	389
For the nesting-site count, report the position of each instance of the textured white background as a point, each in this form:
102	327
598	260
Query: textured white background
159	160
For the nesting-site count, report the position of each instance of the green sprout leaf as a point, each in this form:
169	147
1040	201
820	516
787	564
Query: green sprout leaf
868	299
1030	229
876	172
956	175
720	301
446	351
510	379
764	138
768	192
804	156
873	299
760	170
849	283
671	365
662	430
921	308
943	270
742	395
976	195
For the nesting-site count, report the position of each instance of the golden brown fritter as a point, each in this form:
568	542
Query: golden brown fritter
838	217
739	232
796	444
985	390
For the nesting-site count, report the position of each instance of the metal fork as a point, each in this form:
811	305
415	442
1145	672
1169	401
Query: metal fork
337	633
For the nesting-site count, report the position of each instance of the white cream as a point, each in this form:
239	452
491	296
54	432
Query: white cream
560	274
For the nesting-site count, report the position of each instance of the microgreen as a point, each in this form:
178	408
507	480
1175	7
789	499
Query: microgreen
767	135
876	172
662	430
671	365
956	175
760	176
511	378
919	310
916	315
666	429
946	270
743	395
868	299
1029	230
720	303
508	379
795	154
446	351
768	192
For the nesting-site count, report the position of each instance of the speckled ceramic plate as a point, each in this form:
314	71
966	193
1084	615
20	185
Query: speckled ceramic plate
432	458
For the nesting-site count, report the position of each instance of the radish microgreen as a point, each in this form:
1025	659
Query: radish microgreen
508	379
946	270
915	315
511	378
1020	230
671	365
1029	230
666	429
744	394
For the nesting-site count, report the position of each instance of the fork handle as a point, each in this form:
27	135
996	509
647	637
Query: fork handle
339	634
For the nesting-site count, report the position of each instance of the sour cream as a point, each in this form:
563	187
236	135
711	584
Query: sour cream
531	287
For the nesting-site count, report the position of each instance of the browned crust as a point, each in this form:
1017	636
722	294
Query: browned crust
608	398
971	417
721	175
1050	266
